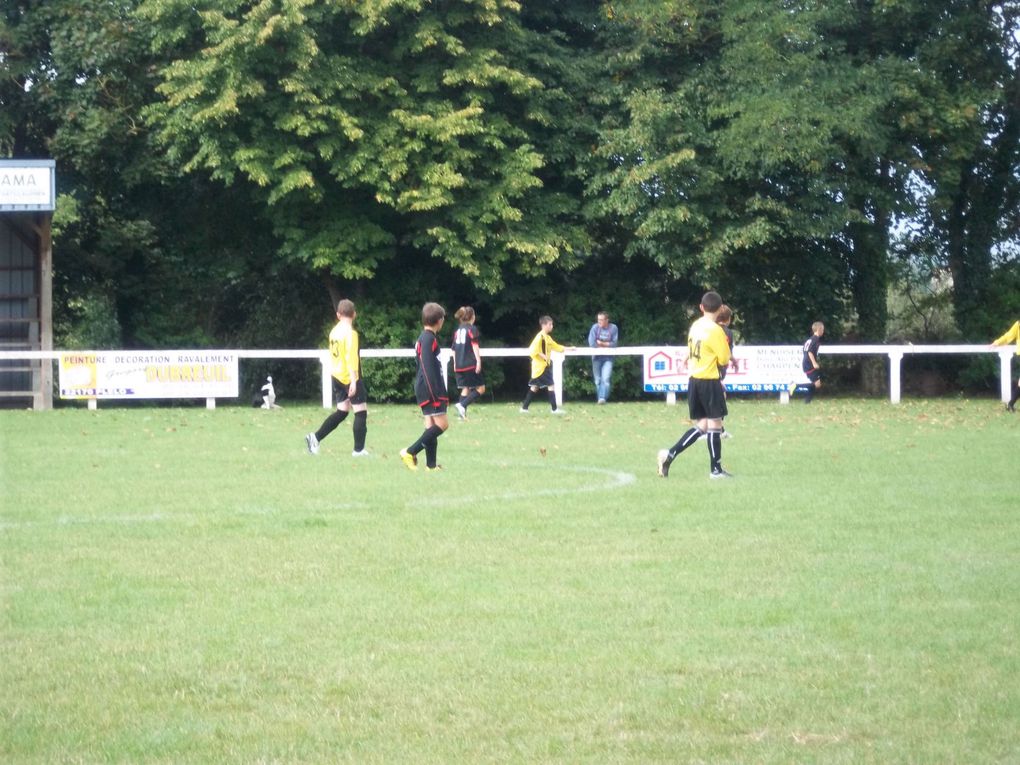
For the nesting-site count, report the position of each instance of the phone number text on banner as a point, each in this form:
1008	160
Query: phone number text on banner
148	374
753	369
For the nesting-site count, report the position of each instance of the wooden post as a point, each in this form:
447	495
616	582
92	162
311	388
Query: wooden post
43	397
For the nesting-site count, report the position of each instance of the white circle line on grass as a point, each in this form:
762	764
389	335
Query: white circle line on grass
614	479
617	479
164	517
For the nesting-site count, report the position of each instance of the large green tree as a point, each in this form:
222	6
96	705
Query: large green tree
769	149
966	133
143	255
754	155
375	130
218	158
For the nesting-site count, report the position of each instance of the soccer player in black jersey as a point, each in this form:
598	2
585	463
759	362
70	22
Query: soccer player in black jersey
724	318
810	364
429	389
467	360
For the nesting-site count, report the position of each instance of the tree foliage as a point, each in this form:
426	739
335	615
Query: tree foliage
229	167
372	127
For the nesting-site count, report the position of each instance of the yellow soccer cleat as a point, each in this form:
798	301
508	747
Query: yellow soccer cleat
409	460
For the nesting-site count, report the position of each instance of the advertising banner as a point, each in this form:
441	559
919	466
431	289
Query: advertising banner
753	369
27	185
148	374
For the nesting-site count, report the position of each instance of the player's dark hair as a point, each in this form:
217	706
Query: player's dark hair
345	308
542	320
711	302
725	314
465	314
432	314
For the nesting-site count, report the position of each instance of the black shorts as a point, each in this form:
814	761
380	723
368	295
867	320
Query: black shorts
470	379
340	392
544	380
706	399
814	375
432	408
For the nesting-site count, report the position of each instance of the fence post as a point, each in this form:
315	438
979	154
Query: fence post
557	365
445	357
1005	379
327	382
895	357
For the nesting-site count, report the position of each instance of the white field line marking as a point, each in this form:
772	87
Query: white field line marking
617	479
170	517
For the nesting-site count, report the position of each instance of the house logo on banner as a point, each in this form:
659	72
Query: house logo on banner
753	369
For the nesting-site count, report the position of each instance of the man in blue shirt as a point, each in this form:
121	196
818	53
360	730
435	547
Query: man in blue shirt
602	335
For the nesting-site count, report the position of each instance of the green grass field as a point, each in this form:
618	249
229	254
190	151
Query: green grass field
182	585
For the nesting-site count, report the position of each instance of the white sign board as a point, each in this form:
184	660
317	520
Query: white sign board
753	369
27	185
148	374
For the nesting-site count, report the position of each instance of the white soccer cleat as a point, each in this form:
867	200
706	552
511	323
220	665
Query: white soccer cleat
662	463
461	410
362	453
312	443
561	410
717	474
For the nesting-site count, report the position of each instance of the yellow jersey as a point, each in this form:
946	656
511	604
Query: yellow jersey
541	346
1012	336
707	349
345	353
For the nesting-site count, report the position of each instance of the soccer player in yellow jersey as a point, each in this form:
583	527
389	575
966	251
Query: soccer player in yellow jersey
708	350
1012	336
348	385
540	351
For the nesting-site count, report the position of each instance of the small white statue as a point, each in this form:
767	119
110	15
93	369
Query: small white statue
269	394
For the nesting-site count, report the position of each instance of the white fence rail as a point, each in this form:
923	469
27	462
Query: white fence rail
894	353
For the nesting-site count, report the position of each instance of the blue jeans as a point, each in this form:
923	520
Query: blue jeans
602	371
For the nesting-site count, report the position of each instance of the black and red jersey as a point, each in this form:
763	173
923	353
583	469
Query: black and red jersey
430	381
465	337
811	346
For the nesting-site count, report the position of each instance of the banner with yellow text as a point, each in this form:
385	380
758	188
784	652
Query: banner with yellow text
148	374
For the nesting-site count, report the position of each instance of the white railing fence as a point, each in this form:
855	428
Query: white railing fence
895	354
